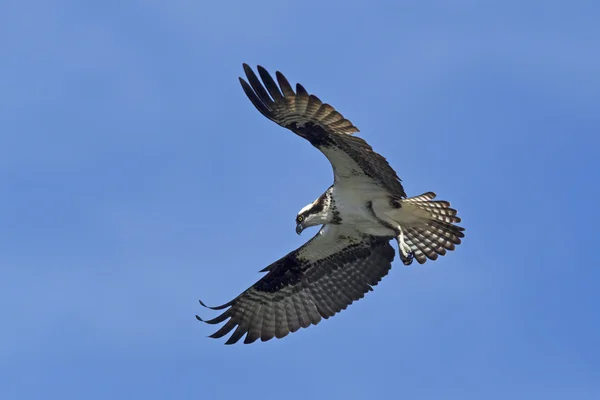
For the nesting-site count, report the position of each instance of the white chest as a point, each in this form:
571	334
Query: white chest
351	203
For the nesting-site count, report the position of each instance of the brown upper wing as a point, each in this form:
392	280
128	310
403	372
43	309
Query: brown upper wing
322	126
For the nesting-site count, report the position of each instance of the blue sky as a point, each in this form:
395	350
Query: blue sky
137	178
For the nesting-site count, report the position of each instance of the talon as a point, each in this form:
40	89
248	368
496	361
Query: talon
407	259
406	254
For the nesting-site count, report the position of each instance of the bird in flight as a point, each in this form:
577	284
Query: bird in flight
359	214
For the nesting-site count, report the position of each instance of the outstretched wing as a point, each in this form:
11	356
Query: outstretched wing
324	127
318	280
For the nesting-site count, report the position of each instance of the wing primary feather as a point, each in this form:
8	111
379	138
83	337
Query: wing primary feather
216	308
218	319
257	86
237	335
260	106
225	329
300	89
285	86
255	326
270	84
244	323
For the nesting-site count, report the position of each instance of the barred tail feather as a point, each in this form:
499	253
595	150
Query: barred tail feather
431	231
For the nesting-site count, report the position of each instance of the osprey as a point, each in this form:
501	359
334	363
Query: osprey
359	214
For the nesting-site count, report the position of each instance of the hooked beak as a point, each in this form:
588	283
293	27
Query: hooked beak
299	228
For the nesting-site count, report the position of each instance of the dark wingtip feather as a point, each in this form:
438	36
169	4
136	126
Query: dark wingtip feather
247	69
202	304
265	269
216	308
217	320
300	89
237	335
284	84
257	101
225	329
277	100
270	84
251	339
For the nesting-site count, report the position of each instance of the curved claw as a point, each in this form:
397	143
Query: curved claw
408	259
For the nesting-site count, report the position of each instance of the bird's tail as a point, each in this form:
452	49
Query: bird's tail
429	226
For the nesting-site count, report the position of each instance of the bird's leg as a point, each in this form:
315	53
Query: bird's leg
406	254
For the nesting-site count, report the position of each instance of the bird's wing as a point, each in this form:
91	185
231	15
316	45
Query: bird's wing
324	127
321	278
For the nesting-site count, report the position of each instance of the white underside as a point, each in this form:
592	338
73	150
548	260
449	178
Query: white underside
352	192
351	200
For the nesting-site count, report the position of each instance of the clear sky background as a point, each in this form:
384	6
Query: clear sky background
136	178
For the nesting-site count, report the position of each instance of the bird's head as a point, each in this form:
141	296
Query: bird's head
316	213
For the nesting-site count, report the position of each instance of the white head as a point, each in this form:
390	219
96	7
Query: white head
316	213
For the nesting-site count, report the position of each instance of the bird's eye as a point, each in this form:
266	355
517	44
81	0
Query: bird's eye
300	218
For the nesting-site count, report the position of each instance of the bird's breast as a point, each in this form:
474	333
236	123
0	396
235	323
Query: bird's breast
352	206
